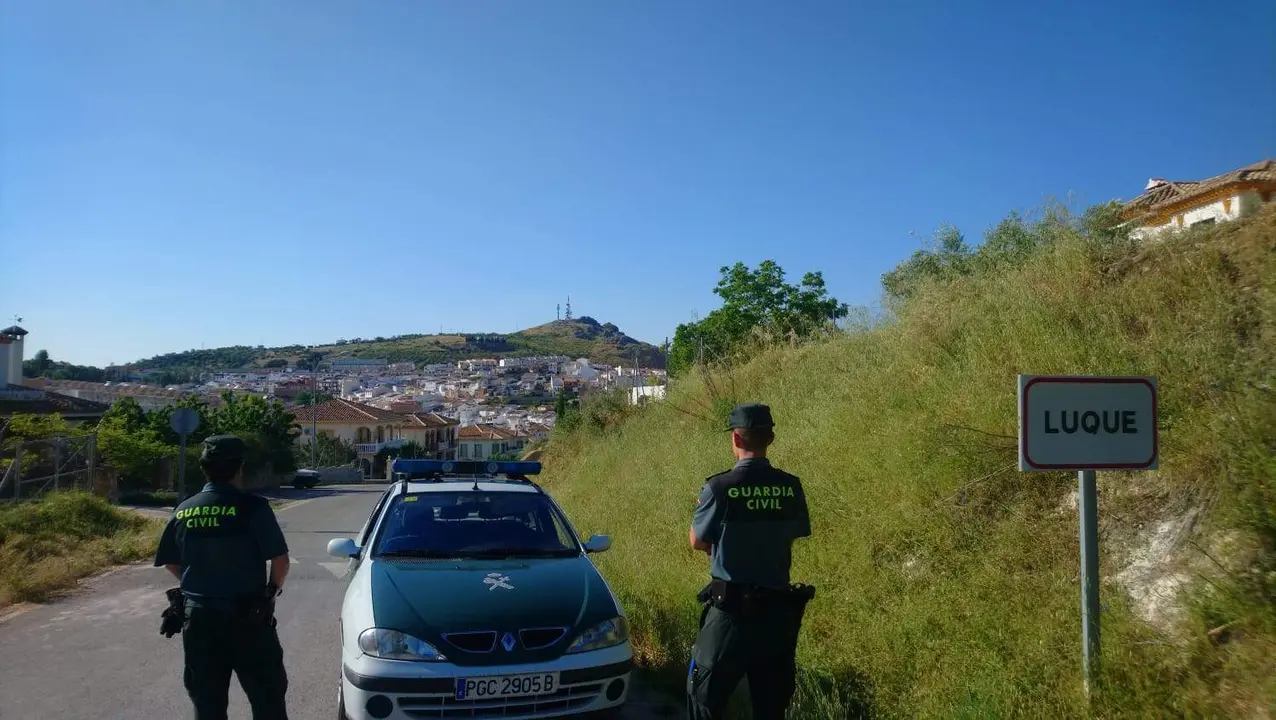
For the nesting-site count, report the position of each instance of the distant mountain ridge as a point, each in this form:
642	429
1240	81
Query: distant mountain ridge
579	337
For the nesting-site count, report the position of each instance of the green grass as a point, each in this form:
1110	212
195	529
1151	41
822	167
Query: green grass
947	580
158	498
47	545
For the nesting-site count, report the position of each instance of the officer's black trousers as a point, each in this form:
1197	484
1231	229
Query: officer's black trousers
762	647
217	642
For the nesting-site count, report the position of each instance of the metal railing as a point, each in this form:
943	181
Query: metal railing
48	465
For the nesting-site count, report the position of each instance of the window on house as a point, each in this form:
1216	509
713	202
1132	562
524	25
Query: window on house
1206	221
463	451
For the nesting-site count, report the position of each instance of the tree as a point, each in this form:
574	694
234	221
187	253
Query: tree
309	397
38	365
948	258
276	363
754	300
332	451
268	423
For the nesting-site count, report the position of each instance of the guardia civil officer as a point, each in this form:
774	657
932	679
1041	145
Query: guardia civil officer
746	521
217	544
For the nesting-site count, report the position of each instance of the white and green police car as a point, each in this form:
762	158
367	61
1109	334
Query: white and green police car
470	595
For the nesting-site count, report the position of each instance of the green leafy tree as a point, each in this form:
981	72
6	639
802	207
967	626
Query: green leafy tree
753	300
27	426
332	451
128	442
948	258
310	397
270	425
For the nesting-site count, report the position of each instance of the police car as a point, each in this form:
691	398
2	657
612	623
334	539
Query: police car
471	595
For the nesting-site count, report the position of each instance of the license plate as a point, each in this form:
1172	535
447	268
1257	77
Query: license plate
495	687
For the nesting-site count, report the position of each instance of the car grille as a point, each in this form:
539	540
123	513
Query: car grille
511	708
537	638
477	642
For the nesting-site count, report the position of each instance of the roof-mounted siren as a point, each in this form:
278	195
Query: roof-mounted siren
416	468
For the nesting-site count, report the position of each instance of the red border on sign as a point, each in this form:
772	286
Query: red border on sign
1096	380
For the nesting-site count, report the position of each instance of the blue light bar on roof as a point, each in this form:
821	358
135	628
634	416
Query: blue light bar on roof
415	468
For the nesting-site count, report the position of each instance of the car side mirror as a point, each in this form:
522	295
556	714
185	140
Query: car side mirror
598	543
342	548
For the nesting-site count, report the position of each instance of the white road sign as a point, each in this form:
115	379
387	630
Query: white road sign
1087	423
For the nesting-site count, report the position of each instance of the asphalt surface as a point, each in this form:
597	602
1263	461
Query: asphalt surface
99	654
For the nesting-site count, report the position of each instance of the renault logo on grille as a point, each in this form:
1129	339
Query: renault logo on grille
507	642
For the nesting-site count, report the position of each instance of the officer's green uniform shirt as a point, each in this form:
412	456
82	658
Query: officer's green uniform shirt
751	514
221	537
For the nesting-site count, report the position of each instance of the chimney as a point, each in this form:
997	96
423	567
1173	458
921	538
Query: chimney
14	334
1154	183
5	342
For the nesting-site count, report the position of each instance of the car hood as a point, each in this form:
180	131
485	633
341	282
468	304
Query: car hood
433	600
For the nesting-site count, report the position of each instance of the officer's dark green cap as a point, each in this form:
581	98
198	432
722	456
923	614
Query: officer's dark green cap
750	416
223	447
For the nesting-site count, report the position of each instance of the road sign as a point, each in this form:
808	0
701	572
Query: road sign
1087	423
184	421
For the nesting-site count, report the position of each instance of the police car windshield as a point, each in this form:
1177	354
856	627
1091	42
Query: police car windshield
474	525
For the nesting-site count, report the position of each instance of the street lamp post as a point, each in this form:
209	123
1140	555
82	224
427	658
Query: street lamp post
314	417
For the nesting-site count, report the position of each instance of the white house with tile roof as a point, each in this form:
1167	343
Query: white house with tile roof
370	428
1176	204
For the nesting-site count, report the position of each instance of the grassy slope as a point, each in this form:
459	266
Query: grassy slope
46	546
947	579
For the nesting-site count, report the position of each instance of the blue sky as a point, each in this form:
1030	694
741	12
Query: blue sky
184	174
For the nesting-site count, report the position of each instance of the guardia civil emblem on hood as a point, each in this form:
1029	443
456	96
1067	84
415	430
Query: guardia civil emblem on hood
497	580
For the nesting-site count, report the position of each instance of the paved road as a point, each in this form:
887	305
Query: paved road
99	654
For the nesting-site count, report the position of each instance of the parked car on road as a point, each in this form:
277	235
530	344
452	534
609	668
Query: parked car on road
470	595
302	479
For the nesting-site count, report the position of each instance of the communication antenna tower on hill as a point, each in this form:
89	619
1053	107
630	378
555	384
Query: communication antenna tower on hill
558	311
568	315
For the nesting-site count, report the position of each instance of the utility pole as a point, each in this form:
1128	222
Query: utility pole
314	417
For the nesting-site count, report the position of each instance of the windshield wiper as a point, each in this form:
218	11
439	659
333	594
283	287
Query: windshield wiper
520	552
418	553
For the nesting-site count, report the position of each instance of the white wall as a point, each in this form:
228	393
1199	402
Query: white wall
1220	210
15	361
4	364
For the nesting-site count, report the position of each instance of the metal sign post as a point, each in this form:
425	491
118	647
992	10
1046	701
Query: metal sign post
1088	423
184	421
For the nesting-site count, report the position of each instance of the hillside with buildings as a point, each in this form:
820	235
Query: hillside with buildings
576	338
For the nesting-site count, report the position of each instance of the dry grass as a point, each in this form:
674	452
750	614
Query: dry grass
46	546
947	579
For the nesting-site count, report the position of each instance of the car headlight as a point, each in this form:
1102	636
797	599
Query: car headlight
605	634
395	645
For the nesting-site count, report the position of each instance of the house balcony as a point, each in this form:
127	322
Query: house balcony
374	448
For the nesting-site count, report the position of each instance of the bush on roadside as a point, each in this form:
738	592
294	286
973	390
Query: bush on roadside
47	545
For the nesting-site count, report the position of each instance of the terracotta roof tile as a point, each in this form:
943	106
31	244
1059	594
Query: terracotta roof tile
23	399
432	420
338	410
484	431
1172	192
